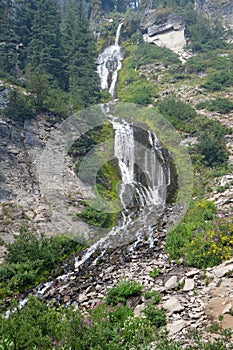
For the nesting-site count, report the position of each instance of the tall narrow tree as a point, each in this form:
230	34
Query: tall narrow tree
24	16
7	38
44	49
80	50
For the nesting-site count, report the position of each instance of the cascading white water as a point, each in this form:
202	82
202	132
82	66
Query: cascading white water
143	201
109	63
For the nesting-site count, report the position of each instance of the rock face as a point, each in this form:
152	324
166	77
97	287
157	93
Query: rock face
22	198
164	29
217	9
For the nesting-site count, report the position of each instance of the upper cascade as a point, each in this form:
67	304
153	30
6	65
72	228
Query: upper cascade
109	63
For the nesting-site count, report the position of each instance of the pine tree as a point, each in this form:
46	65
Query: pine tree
24	15
7	38
108	5
38	30
44	48
79	43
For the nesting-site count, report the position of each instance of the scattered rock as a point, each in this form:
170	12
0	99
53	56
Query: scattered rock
188	284
171	282
176	326
173	305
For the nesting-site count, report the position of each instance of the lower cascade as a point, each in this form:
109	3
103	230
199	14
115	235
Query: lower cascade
145	177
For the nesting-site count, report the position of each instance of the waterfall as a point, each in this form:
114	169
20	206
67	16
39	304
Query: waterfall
109	63
142	202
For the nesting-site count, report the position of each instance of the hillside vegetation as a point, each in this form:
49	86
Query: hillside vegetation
48	51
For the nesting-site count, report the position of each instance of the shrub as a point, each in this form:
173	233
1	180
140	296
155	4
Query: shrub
30	259
194	221
122	291
153	296
155	273
179	113
212	246
150	53
18	106
156	316
212	148
140	92
137	330
217	81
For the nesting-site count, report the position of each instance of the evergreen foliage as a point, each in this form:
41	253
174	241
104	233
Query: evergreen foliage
44	49
7	38
79	45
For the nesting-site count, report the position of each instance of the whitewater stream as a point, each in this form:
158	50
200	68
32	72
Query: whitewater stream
144	168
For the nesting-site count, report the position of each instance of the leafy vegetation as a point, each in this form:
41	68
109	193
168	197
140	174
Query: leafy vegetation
155	273
48	51
221	105
179	113
204	238
31	259
107	175
39	326
122	291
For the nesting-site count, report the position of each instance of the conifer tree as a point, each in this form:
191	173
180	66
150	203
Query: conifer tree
7	38
24	15
44	49
38	30
80	51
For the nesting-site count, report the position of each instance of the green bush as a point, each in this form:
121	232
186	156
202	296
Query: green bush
38	326
179	113
18	106
212	246
155	273
97	218
218	81
150	53
122	291
195	221
140	92
153	297
203	238
212	148
30	259
156	316
221	105
137	330
174	108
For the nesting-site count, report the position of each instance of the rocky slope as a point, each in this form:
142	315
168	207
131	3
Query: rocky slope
192	299
216	9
